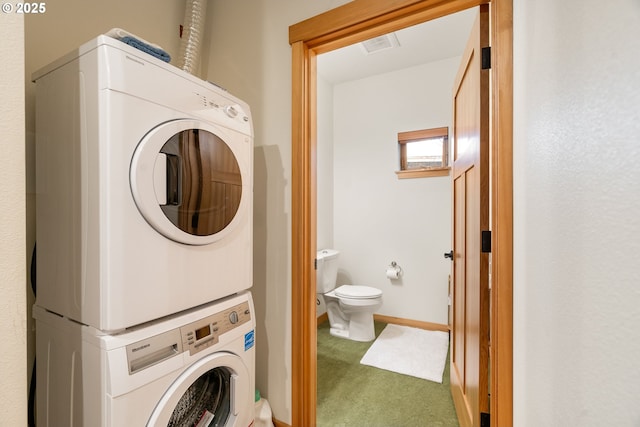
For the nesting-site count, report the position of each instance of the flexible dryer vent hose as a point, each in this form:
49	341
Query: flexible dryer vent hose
194	17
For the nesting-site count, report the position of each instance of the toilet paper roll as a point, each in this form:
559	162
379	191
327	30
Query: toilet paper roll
393	272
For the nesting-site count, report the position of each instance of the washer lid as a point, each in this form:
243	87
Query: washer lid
357	291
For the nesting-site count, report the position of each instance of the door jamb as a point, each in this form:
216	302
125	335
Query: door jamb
357	21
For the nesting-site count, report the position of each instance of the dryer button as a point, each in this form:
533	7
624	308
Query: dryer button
233	317
231	111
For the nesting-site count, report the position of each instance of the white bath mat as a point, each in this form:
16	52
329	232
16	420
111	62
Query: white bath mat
409	351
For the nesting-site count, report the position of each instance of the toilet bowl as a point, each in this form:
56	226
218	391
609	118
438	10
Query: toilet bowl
350	308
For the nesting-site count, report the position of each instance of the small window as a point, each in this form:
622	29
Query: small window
424	153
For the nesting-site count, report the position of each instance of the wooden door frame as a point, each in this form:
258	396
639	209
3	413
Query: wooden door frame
351	23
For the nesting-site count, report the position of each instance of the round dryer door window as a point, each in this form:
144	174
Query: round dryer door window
187	181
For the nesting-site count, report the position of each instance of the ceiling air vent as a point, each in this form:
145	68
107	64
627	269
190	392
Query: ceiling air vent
378	44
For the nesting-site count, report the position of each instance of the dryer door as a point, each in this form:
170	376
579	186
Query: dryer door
187	181
214	391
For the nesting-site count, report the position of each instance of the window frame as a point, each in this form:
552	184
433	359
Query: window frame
416	135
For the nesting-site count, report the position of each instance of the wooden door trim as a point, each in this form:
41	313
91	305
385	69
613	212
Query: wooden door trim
303	225
351	23
501	350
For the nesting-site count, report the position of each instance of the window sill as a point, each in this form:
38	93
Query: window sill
423	173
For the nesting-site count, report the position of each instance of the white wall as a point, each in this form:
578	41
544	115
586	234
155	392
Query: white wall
577	228
324	162
13	305
379	218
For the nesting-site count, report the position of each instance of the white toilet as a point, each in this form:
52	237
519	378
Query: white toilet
350	307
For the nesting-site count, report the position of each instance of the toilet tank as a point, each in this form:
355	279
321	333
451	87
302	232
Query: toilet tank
327	270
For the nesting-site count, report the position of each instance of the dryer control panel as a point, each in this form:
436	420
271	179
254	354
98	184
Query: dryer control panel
217	108
206	332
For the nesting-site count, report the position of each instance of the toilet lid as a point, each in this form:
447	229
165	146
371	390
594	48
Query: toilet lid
357	291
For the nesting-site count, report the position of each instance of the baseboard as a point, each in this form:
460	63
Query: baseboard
324	317
399	321
413	323
278	423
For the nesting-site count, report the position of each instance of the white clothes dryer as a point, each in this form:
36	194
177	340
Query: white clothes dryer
144	188
194	369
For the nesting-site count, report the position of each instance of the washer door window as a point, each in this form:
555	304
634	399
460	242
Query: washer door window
211	392
186	182
206	402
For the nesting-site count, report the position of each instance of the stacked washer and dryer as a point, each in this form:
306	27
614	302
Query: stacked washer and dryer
144	232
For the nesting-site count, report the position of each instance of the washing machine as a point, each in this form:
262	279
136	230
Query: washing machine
144	188
192	369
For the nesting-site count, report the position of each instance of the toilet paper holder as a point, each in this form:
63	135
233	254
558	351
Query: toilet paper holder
394	271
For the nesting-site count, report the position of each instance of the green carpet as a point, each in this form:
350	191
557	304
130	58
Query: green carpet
355	395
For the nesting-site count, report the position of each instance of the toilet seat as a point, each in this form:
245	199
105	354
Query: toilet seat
357	292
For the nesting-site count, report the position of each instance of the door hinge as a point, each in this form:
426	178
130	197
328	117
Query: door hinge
486	241
486	58
315	264
485	419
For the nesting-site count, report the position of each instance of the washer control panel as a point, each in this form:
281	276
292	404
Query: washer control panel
206	332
